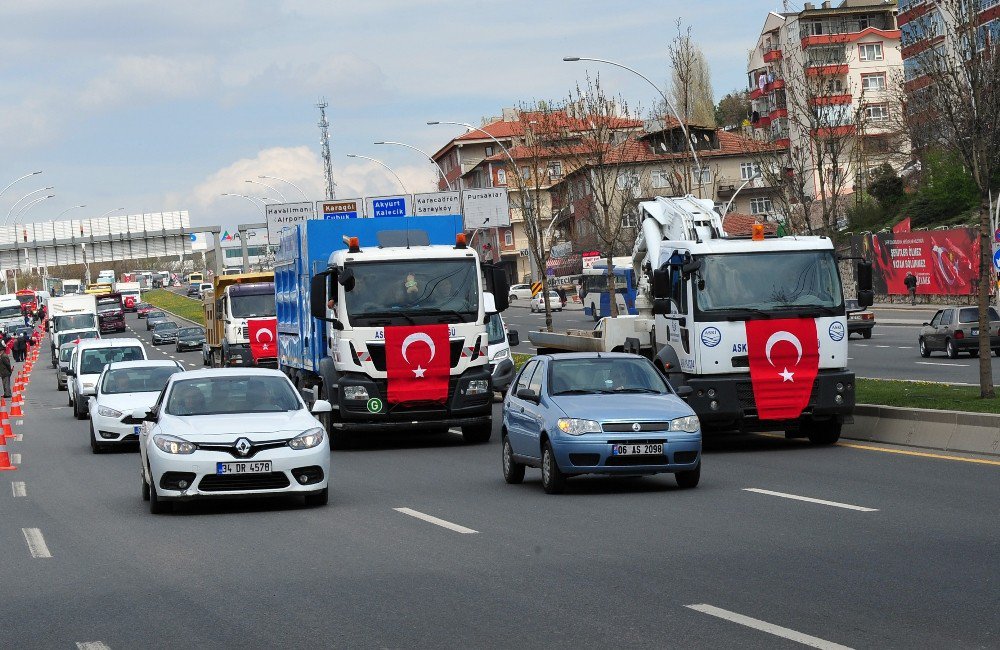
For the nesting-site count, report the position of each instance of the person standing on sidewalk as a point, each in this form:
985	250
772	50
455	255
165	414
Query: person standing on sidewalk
911	284
6	370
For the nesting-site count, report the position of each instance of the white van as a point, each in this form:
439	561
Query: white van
87	364
499	340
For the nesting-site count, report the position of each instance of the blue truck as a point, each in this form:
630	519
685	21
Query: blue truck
344	292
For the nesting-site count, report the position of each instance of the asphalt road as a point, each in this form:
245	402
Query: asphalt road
900	551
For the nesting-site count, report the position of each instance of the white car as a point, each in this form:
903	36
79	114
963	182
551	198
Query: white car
520	292
87	363
232	433
123	388
538	302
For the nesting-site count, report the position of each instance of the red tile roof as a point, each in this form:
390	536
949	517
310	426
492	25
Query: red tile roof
736	224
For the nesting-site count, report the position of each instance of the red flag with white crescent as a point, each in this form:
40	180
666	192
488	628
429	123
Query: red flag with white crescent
263	334
784	361
418	363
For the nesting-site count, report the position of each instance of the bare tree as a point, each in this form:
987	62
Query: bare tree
691	82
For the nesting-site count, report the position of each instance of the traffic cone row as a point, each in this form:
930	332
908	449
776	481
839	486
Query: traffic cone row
20	385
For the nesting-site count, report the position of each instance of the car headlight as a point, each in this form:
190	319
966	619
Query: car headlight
108	412
577	427
173	445
501	355
307	440
687	424
478	387
355	392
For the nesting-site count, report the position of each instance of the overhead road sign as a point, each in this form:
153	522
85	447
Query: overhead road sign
282	215
433	204
397	205
486	208
341	209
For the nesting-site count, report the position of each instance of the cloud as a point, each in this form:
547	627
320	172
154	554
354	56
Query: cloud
138	79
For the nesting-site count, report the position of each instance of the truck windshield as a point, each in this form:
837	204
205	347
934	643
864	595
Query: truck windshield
800	281
10	312
389	293
71	321
253	306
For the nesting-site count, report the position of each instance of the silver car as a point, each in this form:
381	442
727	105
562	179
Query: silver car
65	352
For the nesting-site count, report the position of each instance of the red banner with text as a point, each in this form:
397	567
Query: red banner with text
944	262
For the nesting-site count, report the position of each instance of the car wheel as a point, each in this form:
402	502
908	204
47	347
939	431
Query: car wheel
511	298
594	313
156	505
951	350
95	446
689	479
77	412
320	498
866	334
553	480
477	433
825	433
974	352
924	350
513	471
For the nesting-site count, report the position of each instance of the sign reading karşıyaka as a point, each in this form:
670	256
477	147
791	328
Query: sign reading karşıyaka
486	208
437	204
284	215
341	208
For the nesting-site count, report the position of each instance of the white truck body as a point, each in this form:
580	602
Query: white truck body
77	311
71	286
10	311
129	290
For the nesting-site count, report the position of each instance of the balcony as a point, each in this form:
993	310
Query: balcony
777	84
826	69
830	100
845	29
756	93
772	55
783	143
834	131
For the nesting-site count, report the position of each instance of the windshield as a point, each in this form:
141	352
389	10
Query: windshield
92	361
104	304
191	331
769	281
494	330
25	299
230	395
252	306
73	321
604	375
10	312
73	336
65	352
165	325
137	380
447	291
155	314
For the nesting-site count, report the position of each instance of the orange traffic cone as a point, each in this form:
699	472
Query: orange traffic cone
4	457
15	411
5	431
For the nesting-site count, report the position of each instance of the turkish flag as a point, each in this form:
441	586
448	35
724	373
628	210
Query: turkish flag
418	363
784	360
263	338
902	227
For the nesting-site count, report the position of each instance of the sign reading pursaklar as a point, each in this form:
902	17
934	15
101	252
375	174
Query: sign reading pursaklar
486	208
388	206
283	215
341	208
433	204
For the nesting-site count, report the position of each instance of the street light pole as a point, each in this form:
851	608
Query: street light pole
725	210
283	199
426	155
68	209
16	180
109	212
278	178
389	169
41	189
23	211
252	199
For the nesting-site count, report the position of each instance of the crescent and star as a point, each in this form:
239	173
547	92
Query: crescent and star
410	340
775	338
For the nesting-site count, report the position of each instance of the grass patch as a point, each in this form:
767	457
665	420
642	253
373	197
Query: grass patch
924	395
181	305
520	359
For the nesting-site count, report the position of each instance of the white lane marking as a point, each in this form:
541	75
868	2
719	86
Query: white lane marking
770	628
883	346
904	347
861	345
36	543
18	437
92	645
15	459
938	363
19	489
19	422
436	521
835	504
192	364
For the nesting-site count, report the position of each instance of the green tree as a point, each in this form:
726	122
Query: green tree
732	109
886	187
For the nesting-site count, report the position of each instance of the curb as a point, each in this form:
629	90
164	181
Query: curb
977	433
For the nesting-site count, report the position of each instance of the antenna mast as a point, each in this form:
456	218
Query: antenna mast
324	140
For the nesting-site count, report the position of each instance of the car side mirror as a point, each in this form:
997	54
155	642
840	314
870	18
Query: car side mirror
70	372
144	415
322	406
527	394
513	339
927	325
684	392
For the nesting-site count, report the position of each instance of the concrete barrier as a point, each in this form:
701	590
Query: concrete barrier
977	433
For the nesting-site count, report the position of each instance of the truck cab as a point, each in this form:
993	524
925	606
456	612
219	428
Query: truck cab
230	305
110	312
499	340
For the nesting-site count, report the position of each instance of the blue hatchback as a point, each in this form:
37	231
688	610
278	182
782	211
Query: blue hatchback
597	413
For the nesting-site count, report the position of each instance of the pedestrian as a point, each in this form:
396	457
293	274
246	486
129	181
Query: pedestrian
21	348
6	370
911	284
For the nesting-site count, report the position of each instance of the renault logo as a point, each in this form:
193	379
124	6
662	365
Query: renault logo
242	446
636	426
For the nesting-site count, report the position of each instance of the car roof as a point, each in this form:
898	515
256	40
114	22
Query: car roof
232	372
109	343
590	355
118	365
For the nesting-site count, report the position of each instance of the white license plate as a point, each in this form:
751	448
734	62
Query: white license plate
249	467
975	331
639	449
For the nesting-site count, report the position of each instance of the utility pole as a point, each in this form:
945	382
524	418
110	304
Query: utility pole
324	140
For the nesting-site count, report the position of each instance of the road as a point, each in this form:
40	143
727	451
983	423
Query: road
894	550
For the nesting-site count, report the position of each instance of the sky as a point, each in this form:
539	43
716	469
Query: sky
159	106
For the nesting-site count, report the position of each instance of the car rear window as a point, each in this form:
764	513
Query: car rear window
971	315
137	380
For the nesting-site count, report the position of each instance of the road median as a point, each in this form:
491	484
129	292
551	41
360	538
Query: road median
180	306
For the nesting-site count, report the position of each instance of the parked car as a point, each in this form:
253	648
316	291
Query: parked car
538	302
859	321
520	292
165	332
65	353
956	329
143	308
190	338
122	388
237	432
155	316
590	413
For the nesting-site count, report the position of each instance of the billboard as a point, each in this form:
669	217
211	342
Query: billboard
437	203
341	208
199	241
283	215
486	208
943	261
388	206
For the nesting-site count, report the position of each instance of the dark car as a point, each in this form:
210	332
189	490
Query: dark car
165	332
190	338
153	317
956	329
194	290
859	321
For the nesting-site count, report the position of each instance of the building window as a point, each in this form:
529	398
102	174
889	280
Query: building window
701	176
748	170
660	178
526	173
501	177
508	238
877	112
555	169
489	150
870	51
627	180
629	220
761	205
873	82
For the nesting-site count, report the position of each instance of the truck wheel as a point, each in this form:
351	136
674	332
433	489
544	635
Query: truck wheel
553	480
475	434
825	433
924	350
513	471
689	479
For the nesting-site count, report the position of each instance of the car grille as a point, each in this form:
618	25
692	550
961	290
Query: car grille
128	419
629	461
255	448
626	427
237	482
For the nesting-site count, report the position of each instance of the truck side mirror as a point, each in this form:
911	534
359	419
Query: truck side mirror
317	296
661	306
661	283
513	339
866	294
499	287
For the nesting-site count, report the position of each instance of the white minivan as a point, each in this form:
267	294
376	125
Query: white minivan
499	340
87	364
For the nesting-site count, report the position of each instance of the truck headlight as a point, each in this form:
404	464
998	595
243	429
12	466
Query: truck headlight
478	387
173	445
501	355
577	427
308	439
108	412
355	392
687	424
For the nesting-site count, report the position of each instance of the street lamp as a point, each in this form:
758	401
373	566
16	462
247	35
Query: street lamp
278	178
23	211
252	199
16	180
283	199
725	211
354	155
42	189
109	212
428	157
68	209
687	136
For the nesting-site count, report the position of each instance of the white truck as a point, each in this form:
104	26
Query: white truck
72	312
11	315
751	330
131	294
230	305
70	287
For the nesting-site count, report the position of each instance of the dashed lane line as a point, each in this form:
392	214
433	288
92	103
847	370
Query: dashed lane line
36	543
18	437
769	628
19	489
92	645
938	363
15	459
822	502
437	522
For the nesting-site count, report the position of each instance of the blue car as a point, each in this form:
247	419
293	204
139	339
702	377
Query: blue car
597	413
